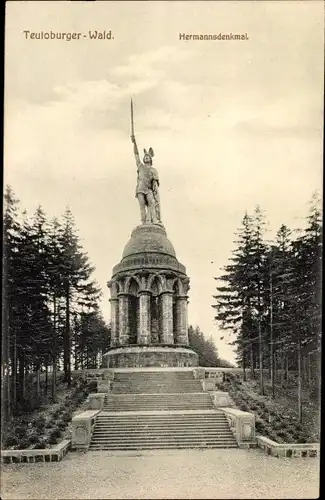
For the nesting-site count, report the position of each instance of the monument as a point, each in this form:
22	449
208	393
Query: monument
149	287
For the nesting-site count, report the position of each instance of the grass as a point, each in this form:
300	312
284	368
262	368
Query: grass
277	418
43	427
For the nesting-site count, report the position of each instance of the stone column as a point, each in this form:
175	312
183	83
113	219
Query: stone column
114	321
167	317
124	327
144	331
181	320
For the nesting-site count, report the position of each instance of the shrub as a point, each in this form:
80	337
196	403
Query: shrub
259	426
56	414
92	386
11	441
41	445
55	432
39	423
23	444
273	435
20	432
61	424
278	424
54	435
33	438
53	440
66	417
282	434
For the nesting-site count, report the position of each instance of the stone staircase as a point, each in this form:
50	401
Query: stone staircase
159	410
158	402
163	431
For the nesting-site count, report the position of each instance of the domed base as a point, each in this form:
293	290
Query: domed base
149	248
156	356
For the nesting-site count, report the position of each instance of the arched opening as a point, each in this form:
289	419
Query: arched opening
155	311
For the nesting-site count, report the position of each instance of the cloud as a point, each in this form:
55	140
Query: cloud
259	127
155	63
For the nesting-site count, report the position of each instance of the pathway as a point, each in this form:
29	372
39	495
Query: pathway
187	474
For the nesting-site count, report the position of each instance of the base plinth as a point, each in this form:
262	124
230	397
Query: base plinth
144	356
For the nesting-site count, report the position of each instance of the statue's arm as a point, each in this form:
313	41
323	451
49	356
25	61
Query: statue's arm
135	150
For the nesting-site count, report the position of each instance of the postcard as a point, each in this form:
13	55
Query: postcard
162	249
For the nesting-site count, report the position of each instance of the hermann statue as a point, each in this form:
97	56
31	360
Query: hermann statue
147	183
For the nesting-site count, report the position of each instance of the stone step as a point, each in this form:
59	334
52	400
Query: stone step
165	423
118	409
162	435
179	446
174	417
134	383
151	390
157	401
167	387
162	424
120	431
167	395
158	425
151	408
154	375
162	439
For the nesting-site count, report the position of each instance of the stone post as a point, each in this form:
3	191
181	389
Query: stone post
144	331
167	317
181	320
114	321
124	327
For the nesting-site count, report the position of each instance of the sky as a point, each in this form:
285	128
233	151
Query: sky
234	124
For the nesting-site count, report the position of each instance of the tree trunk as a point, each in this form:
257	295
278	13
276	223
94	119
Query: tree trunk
271	338
244	365
260	357
26	380
276	367
252	361
308	370
21	375
67	340
14	372
299	380
38	380
8	391
54	381
286	369
76	359
46	376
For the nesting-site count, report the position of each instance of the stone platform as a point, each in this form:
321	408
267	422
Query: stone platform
146	356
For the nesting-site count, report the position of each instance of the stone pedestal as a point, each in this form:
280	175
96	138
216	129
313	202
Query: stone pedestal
150	356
